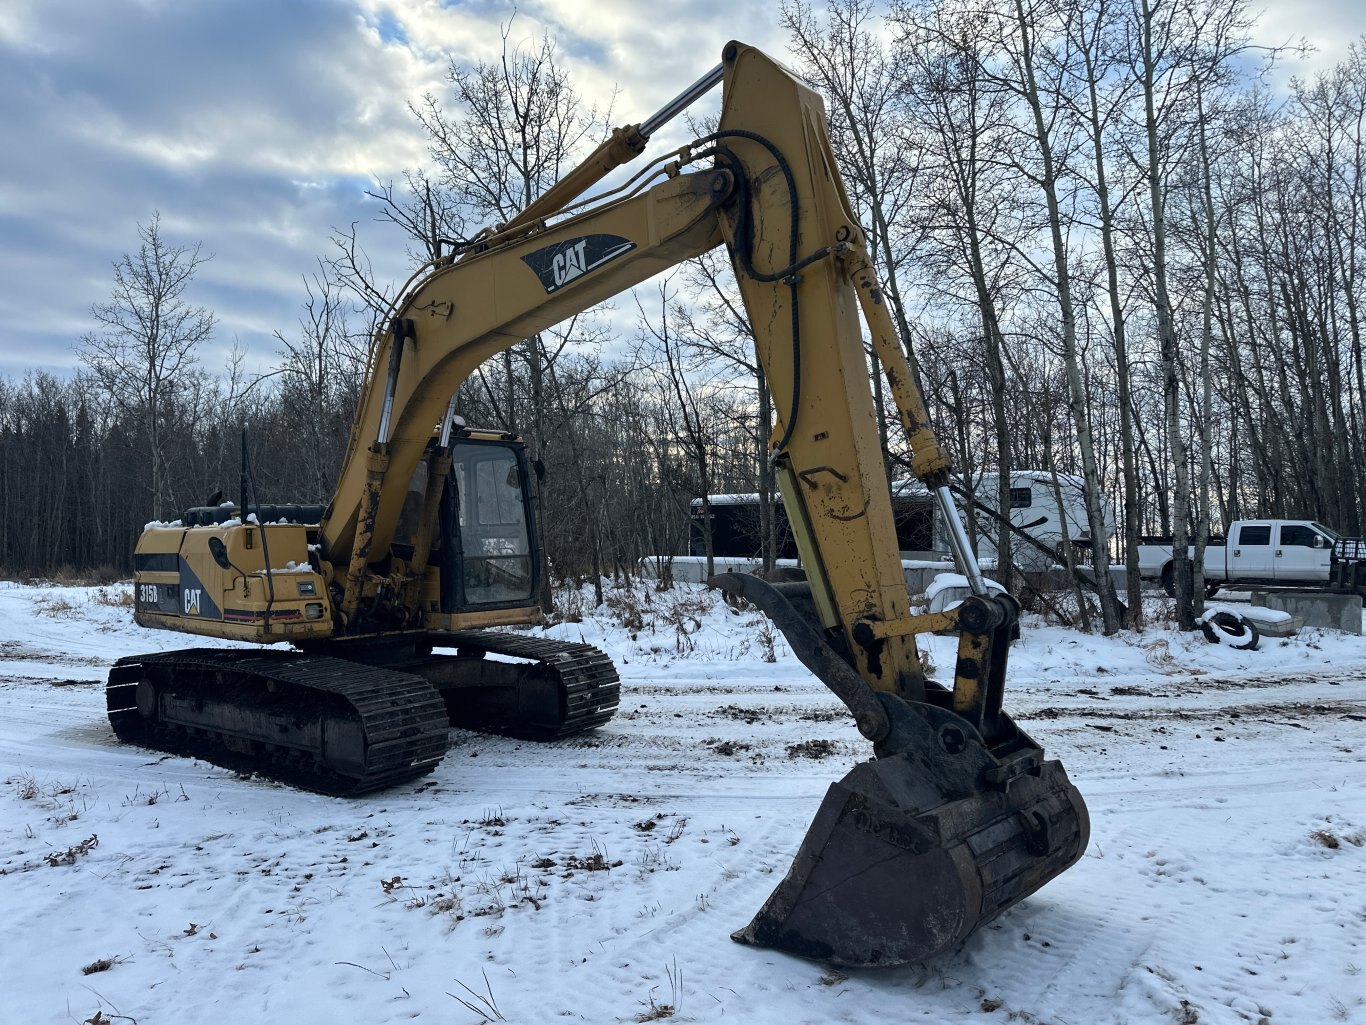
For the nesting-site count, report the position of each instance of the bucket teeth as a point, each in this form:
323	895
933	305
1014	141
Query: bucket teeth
878	881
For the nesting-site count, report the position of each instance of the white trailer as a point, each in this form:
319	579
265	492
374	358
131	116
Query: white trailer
1041	505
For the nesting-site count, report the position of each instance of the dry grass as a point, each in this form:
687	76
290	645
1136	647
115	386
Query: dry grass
26	788
102	965
69	856
658	1011
595	862
767	640
115	597
57	608
1325	839
811	749
569	606
628	609
1333	841
483	1004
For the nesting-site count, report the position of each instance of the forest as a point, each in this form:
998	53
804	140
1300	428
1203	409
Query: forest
1116	242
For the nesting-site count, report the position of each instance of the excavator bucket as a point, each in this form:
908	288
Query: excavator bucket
892	870
938	834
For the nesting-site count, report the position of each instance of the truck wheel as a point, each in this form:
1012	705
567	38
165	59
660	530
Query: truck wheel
1211	589
1169	580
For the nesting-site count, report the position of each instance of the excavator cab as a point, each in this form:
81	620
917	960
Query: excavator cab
490	554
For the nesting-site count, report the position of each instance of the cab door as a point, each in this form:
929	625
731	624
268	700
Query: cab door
1250	554
1301	554
490	554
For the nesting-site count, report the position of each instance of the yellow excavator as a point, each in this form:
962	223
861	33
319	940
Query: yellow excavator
389	598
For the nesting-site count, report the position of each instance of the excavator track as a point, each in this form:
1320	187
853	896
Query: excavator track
344	727
588	687
323	724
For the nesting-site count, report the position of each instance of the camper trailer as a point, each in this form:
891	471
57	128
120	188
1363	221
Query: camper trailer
1040	506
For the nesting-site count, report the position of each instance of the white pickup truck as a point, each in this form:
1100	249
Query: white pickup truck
1262	553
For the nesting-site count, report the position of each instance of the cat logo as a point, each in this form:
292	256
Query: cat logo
559	264
192	598
568	264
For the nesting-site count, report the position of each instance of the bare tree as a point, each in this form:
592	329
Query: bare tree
1175	47
318	380
146	346
841	49
962	121
714	323
1036	76
1102	96
516	126
425	210
685	400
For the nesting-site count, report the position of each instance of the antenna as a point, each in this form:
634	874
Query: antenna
248	478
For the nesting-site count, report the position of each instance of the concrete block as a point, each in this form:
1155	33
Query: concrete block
1273	622
1316	608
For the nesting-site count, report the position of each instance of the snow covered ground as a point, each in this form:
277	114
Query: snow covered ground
598	879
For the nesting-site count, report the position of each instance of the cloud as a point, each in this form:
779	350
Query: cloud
1328	26
251	127
254	128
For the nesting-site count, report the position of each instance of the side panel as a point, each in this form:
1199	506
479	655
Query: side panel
212	581
196	600
1217	561
156	572
1296	557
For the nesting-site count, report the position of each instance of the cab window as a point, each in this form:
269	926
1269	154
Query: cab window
1328	532
1298	535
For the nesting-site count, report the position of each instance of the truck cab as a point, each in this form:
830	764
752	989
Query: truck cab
1262	552
1279	551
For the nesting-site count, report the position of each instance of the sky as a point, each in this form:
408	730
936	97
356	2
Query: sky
255	127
